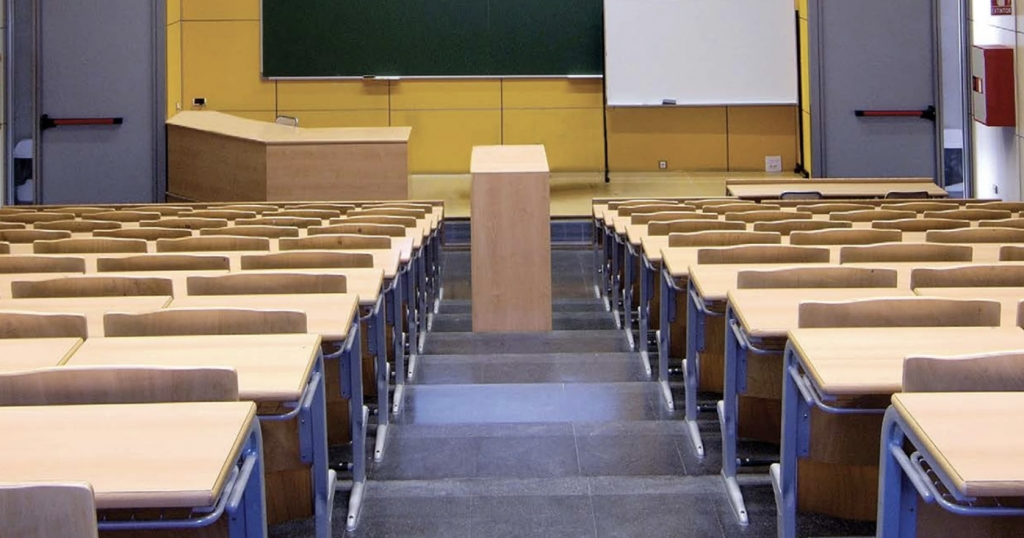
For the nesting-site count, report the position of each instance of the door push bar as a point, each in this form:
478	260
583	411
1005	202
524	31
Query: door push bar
926	114
46	122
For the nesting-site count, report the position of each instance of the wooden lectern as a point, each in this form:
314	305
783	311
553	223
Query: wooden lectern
511	239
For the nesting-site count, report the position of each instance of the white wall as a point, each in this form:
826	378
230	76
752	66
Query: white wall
997	156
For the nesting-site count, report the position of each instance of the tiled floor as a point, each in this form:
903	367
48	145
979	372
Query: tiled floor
551	435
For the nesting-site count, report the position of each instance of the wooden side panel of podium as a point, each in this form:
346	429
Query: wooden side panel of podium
511	239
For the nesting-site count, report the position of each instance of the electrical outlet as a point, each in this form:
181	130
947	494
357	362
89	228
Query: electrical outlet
996	187
663	165
773	163
199	102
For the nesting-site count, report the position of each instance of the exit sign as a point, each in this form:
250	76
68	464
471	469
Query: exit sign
1002	7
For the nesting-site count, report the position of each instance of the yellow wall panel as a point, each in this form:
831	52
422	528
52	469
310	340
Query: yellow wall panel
552	93
806	117
339	118
173	68
801	7
442	140
445	94
221	62
573	138
209	10
805	68
173	11
331	95
252	115
756	132
688	138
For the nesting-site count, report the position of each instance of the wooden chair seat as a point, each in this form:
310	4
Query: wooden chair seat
845	237
832	276
787	227
310	259
900	312
263	284
204	321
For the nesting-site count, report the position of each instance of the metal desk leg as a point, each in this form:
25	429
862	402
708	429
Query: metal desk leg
412	325
897	495
394	315
421	298
352	367
247	505
665	320
616	281
377	345
606	273
628	269
694	344
796	423
596	245
728	410
313	416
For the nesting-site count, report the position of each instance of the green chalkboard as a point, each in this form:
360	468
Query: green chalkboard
427	38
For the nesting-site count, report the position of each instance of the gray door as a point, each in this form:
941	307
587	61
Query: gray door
873	56
100	59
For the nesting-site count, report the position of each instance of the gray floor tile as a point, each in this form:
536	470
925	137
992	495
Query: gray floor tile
508	517
427	457
468	343
656	515
518	368
527	457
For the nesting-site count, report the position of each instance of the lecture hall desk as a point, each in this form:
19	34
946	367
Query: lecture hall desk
17	354
971	443
766	189
182	460
841	381
283	374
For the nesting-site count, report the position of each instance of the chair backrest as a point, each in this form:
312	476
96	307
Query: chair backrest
426	206
405	222
1002	223
79	211
290	222
906	195
91	385
388	230
738	207
259	209
763	254
1015	207
1008	253
786	227
162	209
92	286
668	216
226	214
900	312
845	237
90	245
5	248
968	276
46	509
164	262
217	243
921	207
768	216
269	232
12	226
616	204
689	226
11	210
710	202
204	321
16	324
976	235
869	215
340	208
193	223
336	242
969	214
906	252
920	225
984	372
78	226
40	264
629	210
415	213
832	207
800	195
722	239
145	234
832	276
264	283
321	214
126	216
33	218
22	237
307	259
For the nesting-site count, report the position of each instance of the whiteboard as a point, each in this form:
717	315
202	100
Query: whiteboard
700	52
